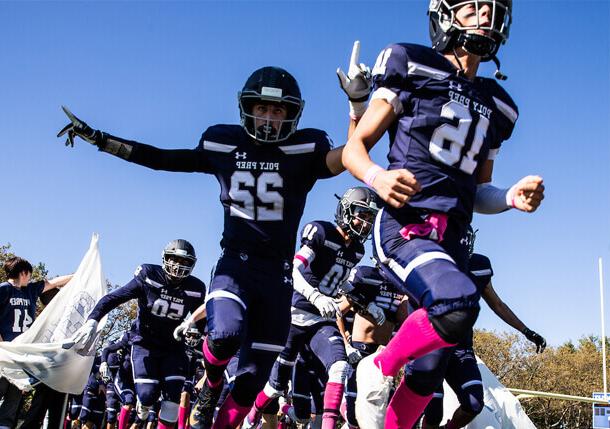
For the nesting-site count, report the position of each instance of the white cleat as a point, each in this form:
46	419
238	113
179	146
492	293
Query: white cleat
373	393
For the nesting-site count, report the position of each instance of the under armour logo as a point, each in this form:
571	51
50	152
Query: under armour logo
455	86
287	280
240	155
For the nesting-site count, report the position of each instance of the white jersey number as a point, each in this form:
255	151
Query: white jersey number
171	310
22	320
335	277
265	188
456	136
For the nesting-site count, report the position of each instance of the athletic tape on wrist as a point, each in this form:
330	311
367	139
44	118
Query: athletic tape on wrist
371	174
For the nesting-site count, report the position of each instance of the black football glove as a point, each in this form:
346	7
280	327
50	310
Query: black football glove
535	338
76	127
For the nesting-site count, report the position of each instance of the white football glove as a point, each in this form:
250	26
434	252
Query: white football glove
182	328
105	371
85	334
327	306
376	312
353	354
357	84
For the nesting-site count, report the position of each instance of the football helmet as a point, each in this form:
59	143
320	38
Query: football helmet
192	337
446	33
270	85
178	259
471	235
356	212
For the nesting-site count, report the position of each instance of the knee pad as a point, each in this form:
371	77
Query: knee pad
337	372
147	393
471	400
224	348
455	325
142	411
168	412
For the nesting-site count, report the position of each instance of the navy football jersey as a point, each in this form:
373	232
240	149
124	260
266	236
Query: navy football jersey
331	261
369	284
94	380
18	308
263	187
114	354
161	306
447	125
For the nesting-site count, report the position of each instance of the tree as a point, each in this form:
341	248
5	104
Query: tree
571	369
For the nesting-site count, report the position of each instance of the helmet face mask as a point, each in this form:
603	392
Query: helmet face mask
192	337
356	213
269	86
178	259
447	32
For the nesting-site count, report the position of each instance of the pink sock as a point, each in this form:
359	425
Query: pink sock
230	415
332	401
415	338
212	360
124	418
405	408
260	403
162	425
182	417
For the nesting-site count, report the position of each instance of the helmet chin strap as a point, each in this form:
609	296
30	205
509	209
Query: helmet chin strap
457	59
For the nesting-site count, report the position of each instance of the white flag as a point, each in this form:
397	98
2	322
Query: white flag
43	353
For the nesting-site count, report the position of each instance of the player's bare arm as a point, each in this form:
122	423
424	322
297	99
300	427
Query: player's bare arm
395	187
56	282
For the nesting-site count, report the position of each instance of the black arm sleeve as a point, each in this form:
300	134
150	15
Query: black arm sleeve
183	160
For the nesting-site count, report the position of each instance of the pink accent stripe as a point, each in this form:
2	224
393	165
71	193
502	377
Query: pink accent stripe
230	414
182	417
210	357
302	259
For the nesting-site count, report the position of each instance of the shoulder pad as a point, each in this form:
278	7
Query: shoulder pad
504	103
307	140
222	138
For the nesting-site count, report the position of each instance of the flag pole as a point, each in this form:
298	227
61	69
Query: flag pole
601	293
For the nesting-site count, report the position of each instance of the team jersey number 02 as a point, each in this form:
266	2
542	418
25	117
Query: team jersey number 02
265	188
455	135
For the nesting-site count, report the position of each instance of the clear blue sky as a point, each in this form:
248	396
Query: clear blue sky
161	72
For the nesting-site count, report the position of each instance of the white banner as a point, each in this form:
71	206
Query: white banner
44	352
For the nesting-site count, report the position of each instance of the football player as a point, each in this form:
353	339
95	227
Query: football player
327	255
166	295
111	362
462	372
446	125
380	309
92	408
18	298
265	167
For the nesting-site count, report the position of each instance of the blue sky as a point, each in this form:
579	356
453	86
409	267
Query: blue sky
161	72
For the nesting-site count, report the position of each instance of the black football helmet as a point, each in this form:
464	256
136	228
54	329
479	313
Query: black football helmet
193	337
178	259
270	85
356	212
446	33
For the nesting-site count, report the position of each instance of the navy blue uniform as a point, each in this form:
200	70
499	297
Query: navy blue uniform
365	285
263	189
92	408
447	126
327	262
18	308
157	359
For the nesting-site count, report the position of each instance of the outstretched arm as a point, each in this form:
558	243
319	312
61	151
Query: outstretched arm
505	313
184	160
57	282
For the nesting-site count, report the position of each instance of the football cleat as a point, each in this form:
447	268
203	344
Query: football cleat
202	415
373	393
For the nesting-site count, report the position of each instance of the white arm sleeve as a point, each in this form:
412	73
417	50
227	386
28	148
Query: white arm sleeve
491	200
302	259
